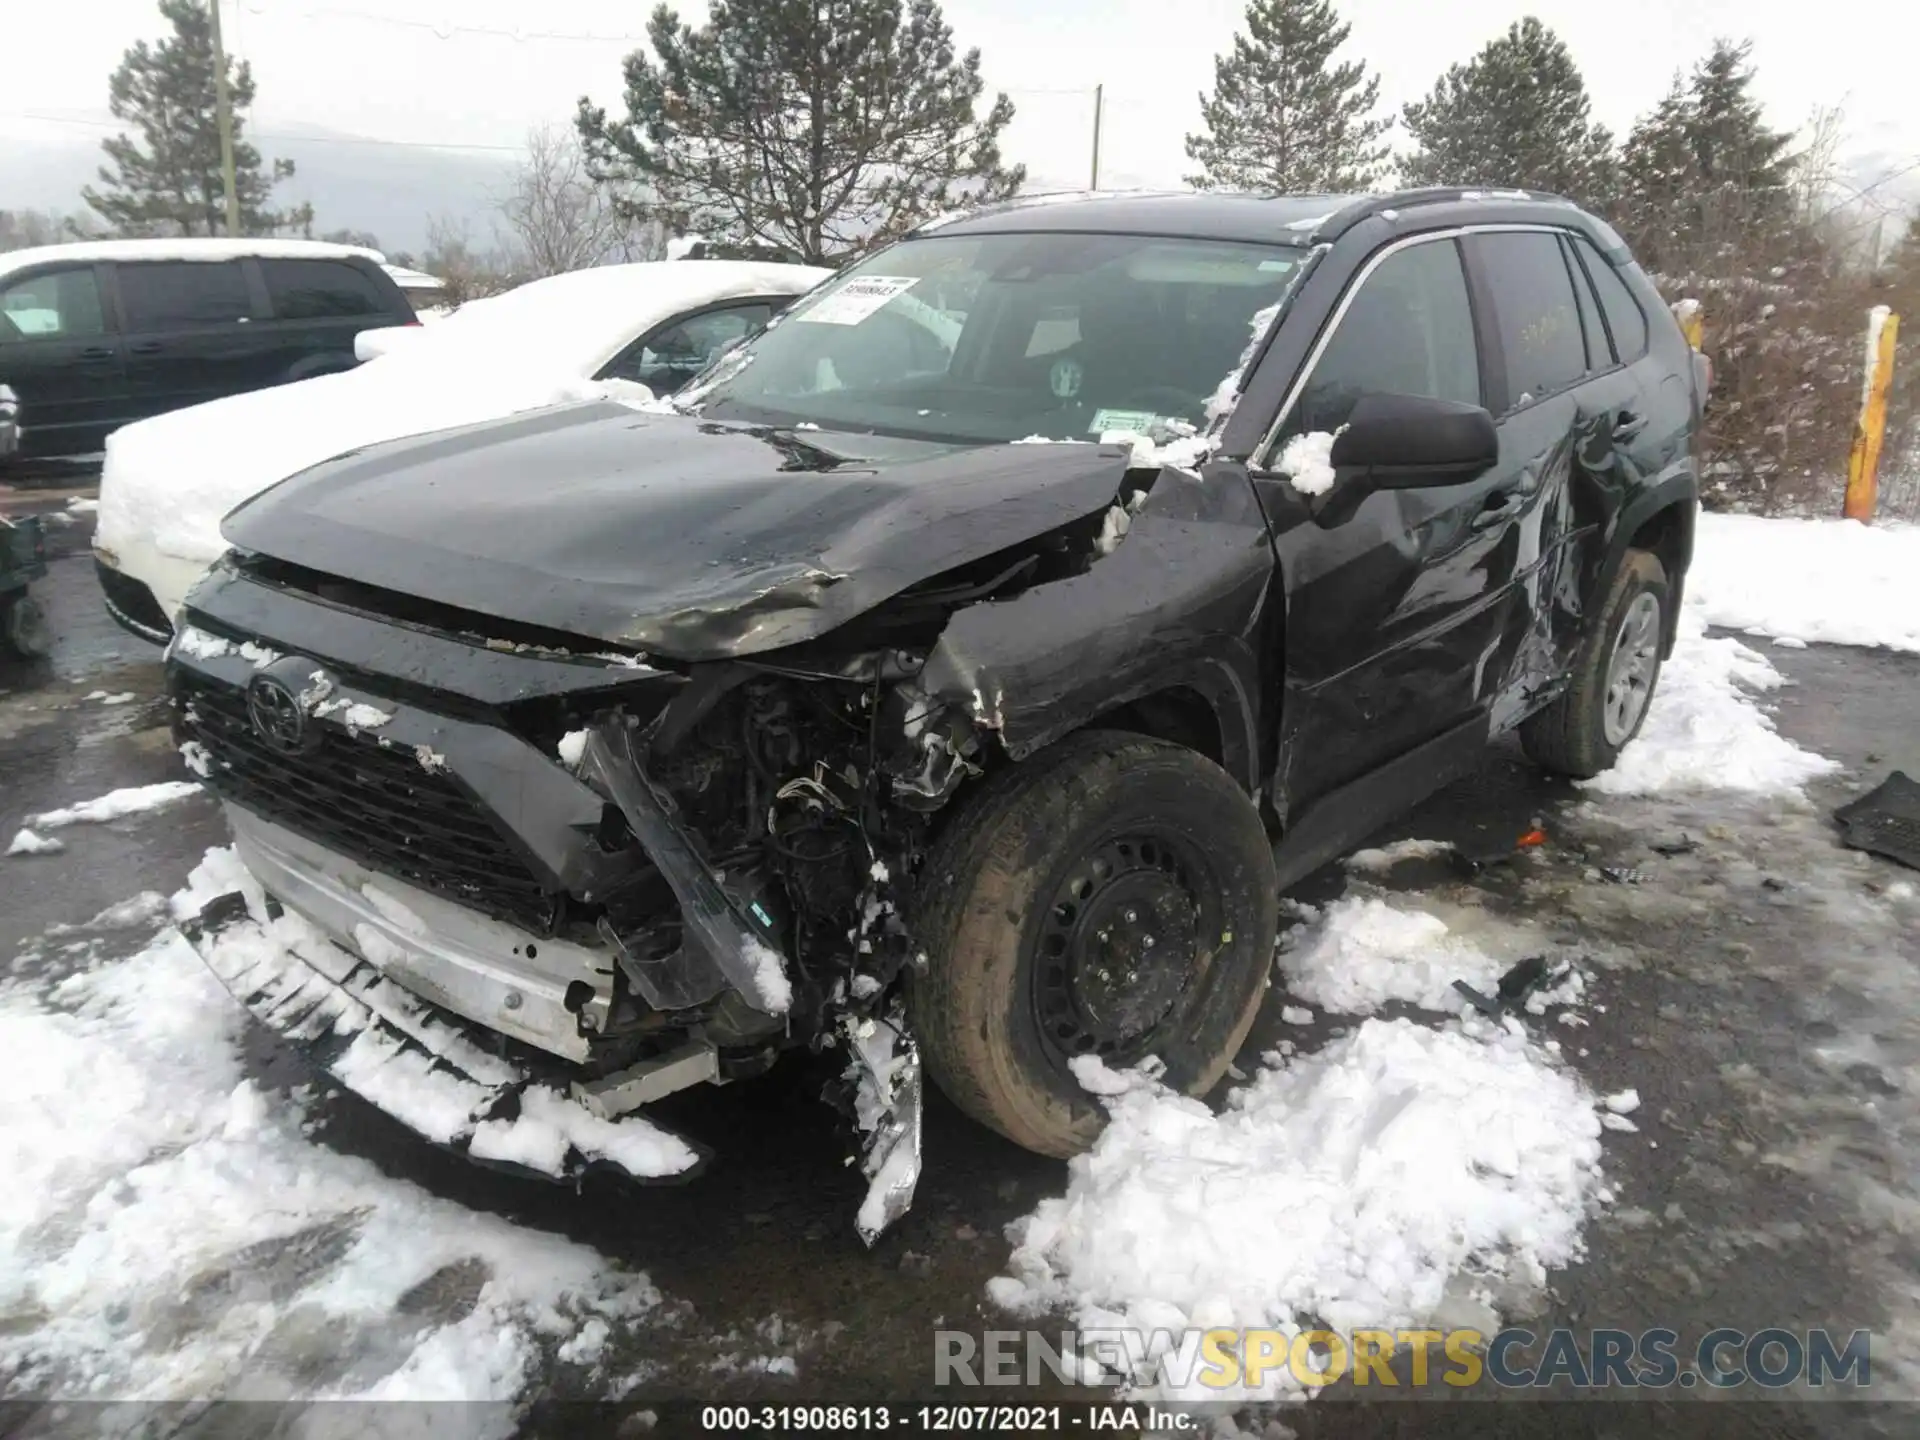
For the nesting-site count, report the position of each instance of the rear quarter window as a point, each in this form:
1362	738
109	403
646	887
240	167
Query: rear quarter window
320	290
1625	318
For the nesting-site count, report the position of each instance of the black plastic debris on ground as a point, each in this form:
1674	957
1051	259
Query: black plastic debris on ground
1886	820
1525	977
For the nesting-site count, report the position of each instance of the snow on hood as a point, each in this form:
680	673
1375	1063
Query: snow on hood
170	478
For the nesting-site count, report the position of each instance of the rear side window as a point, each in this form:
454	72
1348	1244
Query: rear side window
52	305
1625	318
1599	354
1408	331
183	294
1534	308
320	290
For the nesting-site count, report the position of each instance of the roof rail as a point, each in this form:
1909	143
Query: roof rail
1368	205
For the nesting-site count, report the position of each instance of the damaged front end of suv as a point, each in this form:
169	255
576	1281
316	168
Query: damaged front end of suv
576	759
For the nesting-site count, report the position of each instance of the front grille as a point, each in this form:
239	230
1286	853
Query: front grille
373	804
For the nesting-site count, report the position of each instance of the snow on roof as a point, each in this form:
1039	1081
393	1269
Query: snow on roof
408	279
94	251
579	321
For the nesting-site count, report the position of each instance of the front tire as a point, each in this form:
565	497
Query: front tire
1113	896
1583	732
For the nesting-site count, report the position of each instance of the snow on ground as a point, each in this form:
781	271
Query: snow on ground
1362	952
25	842
1382	860
1704	730
1831	580
115	804
1352	1187
167	1232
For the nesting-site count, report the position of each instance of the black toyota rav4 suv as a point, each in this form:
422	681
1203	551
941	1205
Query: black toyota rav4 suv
957	671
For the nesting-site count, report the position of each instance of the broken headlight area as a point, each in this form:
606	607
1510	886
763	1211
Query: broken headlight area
777	819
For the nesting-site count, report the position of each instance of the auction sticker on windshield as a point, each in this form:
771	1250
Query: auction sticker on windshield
857	299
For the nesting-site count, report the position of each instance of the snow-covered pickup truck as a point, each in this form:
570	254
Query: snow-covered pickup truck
932	699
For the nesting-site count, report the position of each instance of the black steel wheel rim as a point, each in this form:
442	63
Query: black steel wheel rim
1117	954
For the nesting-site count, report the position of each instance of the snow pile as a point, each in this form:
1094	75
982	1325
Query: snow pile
168	480
1362	952
116	804
1347	1189
1307	461
1704	732
28	843
1828	580
170	1234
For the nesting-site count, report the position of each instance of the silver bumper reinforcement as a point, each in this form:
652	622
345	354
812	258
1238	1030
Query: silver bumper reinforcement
419	1064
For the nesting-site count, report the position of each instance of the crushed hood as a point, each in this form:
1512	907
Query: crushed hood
688	538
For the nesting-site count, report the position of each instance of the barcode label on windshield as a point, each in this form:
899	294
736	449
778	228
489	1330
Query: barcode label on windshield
857	299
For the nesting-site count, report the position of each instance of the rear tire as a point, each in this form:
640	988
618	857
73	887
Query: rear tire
1614	674
1112	896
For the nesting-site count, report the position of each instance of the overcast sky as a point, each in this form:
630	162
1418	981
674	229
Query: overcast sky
415	70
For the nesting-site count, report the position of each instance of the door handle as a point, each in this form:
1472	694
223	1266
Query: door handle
1501	506
97	352
146	347
1627	424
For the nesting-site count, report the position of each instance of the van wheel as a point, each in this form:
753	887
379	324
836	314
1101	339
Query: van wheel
23	627
1583	732
1114	897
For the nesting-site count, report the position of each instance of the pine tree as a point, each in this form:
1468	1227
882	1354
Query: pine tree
814	126
1704	169
1283	117
167	181
1516	114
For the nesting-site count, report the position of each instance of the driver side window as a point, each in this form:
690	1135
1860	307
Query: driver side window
668	358
55	304
1408	331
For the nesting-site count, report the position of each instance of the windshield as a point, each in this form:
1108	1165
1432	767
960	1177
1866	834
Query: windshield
1002	337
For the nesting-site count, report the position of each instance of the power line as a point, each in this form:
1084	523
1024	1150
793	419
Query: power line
284	139
447	29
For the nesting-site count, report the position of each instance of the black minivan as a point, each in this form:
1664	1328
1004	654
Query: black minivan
96	334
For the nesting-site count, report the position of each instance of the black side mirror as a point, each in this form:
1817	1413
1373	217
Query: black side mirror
1403	442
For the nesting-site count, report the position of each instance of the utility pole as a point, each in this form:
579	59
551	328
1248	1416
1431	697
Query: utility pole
1094	183
223	110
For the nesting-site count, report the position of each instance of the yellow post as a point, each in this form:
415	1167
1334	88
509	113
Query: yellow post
1693	323
1863	465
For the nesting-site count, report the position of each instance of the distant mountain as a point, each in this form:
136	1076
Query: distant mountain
387	190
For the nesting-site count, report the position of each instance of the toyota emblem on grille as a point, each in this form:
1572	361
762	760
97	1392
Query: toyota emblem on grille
277	715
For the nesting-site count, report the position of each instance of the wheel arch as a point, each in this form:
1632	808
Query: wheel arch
1661	520
1203	706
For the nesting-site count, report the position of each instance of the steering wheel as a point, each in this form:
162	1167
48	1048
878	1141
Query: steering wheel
1153	397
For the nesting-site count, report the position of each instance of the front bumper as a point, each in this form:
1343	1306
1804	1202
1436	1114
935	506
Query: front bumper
155	582
451	956
404	1056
